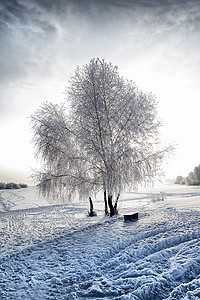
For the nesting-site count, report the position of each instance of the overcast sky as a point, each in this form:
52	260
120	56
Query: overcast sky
155	43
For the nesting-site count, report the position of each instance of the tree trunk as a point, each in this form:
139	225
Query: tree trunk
91	204
116	202
91	213
112	211
106	205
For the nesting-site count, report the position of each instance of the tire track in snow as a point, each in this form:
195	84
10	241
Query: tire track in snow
26	227
156	273
3	204
163	277
77	265
9	199
169	245
108	255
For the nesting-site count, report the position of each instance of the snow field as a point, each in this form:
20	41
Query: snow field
57	252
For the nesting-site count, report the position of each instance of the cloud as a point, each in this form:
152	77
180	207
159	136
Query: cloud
25	52
45	39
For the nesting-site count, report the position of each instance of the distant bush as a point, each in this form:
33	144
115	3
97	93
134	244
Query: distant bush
178	180
187	181
9	186
193	178
16	186
182	181
157	196
23	185
12	185
2	185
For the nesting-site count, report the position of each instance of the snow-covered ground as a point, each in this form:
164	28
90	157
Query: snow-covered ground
57	252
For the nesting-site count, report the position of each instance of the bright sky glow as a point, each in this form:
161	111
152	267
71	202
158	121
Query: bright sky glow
154	43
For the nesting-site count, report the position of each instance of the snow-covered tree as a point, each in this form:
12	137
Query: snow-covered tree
178	179
191	179
197	174
106	139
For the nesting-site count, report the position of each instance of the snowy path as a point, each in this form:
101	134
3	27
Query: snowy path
59	253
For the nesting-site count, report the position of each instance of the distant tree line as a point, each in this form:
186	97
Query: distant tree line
193	178
12	185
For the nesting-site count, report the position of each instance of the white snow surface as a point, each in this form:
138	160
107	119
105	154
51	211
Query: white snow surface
57	252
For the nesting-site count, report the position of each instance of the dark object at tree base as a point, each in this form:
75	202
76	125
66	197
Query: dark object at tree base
132	217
